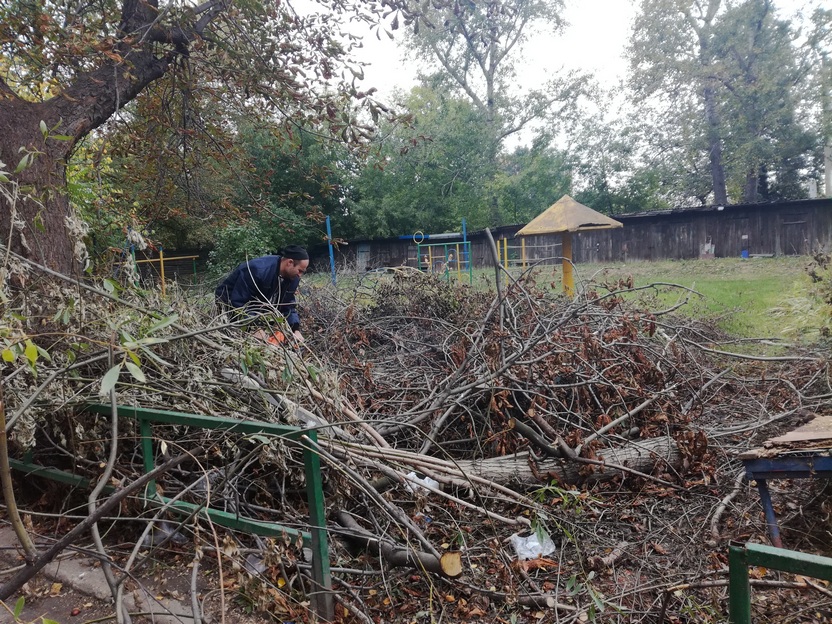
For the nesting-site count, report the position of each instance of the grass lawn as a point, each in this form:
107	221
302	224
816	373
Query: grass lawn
754	298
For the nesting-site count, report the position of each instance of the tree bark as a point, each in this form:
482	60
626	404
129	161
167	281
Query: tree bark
715	147
449	564
642	455
33	221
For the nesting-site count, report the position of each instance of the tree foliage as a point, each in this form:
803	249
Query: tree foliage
293	182
476	48
430	173
70	68
530	180
722	83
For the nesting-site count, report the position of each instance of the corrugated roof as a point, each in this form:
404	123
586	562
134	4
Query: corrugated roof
567	215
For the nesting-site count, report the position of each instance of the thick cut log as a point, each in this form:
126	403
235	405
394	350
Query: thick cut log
641	455
448	565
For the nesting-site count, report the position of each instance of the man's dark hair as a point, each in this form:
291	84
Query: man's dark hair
295	252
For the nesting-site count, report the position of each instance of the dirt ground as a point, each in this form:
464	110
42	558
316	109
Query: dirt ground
73	591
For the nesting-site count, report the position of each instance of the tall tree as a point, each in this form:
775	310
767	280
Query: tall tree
431	172
672	60
818	46
609	175
724	77
760	75
72	66
476	48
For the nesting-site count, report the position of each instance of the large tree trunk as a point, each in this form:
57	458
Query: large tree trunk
642	456
33	220
752	180
715	148
34	223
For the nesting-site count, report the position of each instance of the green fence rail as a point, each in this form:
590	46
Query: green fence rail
740	556
316	539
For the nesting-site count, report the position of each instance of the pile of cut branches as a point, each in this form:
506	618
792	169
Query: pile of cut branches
456	428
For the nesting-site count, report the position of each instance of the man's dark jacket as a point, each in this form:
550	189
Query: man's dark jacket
256	287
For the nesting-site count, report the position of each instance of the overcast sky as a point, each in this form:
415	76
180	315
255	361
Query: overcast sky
593	41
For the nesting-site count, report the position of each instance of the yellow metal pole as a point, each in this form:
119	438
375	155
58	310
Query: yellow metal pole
568	277
162	268
505	252
430	260
523	251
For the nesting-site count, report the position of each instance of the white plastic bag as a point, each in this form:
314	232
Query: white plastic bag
538	544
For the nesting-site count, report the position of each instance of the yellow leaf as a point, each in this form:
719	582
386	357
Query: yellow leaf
8	355
31	352
281	582
56	588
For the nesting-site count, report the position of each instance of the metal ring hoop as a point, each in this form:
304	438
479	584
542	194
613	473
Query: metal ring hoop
418	233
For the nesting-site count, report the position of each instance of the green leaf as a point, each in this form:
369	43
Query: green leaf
60	137
4	178
31	352
44	354
18	606
109	286
43	129
132	355
24	162
109	380
151	341
8	355
48	621
154	357
137	372
163	323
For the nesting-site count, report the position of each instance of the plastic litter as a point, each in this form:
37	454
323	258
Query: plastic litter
538	544
254	564
164	532
414	483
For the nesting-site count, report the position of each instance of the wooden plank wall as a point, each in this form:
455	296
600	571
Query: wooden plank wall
788	228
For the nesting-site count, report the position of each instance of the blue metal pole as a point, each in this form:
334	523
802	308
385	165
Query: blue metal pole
331	252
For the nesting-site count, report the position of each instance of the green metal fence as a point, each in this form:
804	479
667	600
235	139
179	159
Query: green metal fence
315	538
740	556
